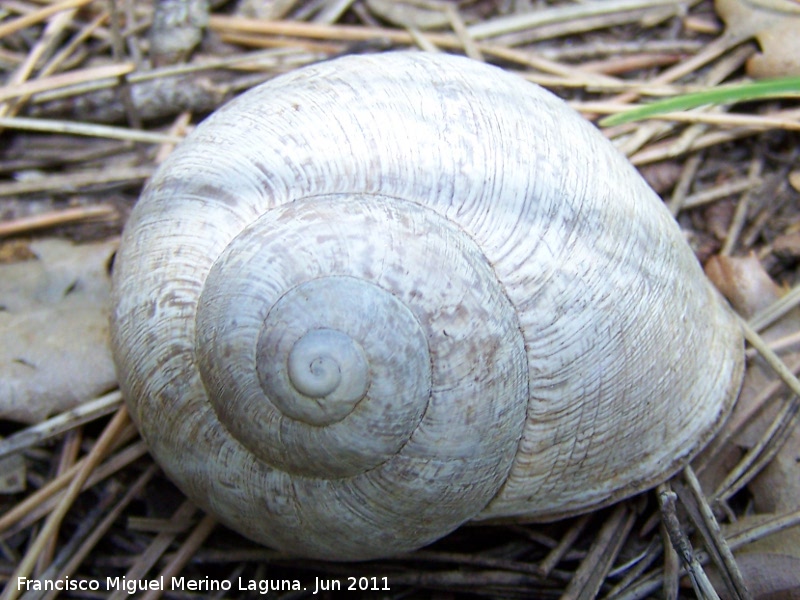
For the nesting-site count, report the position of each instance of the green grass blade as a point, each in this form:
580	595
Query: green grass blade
769	88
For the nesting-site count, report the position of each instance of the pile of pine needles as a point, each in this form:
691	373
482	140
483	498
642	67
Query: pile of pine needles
89	107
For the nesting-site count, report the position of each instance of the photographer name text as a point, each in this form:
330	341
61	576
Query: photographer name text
207	584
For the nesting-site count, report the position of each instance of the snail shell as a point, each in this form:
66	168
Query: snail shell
383	295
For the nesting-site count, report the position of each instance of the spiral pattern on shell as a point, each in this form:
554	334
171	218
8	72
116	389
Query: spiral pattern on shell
381	296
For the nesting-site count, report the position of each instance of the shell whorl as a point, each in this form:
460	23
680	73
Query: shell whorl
394	339
384	295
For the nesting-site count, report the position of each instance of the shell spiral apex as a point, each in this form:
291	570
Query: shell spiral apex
383	295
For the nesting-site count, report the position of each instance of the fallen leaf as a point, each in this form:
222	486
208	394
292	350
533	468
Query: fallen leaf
718	217
770	566
794	180
777	487
54	351
767	576
749	288
661	176
786	246
775	24
744	282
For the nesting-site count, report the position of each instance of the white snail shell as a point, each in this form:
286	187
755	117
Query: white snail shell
383	295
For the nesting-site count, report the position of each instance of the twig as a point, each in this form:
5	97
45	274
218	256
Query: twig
587	580
84	529
45	43
70	448
664	150
672	570
101	529
773	360
737	223
87	129
471	49
158	545
729	188
688	174
65	79
38	16
757	457
702	586
703	518
529	20
53	219
35	506
53	522
771	526
651	582
640	564
184	553
70	182
556	554
776	310
41	432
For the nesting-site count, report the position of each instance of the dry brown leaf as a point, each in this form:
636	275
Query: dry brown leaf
775	24
749	288
786	247
662	176
744	282
768	576
777	487
770	566
794	180
718	216
54	350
